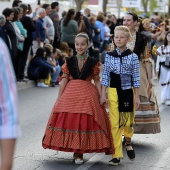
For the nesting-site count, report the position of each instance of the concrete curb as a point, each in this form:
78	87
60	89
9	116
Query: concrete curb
25	85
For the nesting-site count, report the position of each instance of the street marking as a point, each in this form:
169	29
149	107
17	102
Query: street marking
91	161
164	159
161	108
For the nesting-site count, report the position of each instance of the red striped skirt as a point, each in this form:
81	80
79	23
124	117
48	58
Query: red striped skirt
78	123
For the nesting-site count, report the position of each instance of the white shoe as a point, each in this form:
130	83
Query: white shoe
78	161
167	102
41	85
78	158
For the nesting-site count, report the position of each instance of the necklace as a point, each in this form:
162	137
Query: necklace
131	44
81	61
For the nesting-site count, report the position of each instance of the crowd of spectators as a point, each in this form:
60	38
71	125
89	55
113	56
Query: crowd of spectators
39	41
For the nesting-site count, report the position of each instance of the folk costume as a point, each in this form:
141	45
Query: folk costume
121	74
163	67
147	119
78	123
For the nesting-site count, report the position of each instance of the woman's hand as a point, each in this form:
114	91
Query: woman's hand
103	100
137	103
150	82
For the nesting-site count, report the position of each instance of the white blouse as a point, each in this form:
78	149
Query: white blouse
162	57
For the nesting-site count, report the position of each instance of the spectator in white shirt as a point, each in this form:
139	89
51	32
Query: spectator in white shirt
49	25
107	32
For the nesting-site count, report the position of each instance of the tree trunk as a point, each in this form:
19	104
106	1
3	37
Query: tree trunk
104	6
79	4
145	5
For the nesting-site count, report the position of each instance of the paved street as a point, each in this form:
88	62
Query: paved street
152	151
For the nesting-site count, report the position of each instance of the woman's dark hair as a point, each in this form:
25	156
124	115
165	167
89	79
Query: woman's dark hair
25	7
119	22
17	10
40	52
141	28
15	3
68	16
45	6
63	14
165	40
54	4
134	16
77	16
29	11
7	12
108	22
48	52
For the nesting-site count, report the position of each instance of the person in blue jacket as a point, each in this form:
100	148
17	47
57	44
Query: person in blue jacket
39	68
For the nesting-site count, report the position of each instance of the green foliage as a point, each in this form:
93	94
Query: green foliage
153	5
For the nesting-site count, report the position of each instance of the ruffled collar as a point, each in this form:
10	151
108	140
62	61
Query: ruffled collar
118	51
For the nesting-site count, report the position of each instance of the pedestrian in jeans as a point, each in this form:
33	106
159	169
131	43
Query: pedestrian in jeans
39	68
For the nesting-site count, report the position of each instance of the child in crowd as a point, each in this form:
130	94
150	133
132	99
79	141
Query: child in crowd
61	61
71	52
121	74
78	123
108	35
107	48
58	68
64	49
163	69
51	58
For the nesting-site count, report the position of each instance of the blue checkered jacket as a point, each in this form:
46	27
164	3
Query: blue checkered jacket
127	67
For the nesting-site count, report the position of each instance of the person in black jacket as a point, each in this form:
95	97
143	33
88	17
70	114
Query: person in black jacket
3	33
9	15
39	68
87	12
30	27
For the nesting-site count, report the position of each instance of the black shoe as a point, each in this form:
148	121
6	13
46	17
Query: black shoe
52	85
25	80
114	162
22	80
19	80
130	153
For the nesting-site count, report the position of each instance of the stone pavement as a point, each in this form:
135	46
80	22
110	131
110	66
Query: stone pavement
30	83
25	85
